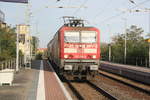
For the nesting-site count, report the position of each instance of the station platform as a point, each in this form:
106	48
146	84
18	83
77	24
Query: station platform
38	83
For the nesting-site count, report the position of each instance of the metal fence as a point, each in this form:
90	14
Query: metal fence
10	64
138	61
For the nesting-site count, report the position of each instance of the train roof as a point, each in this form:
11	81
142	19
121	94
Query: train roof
77	28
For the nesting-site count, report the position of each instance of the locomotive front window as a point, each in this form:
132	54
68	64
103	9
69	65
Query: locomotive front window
72	37
88	36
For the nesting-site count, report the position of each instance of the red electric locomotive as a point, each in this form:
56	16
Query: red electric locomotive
75	49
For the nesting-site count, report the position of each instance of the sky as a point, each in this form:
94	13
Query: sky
106	15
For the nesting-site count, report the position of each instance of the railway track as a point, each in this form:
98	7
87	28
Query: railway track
120	90
102	91
86	90
103	88
79	90
136	85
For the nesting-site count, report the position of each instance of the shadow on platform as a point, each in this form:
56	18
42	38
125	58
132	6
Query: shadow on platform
36	64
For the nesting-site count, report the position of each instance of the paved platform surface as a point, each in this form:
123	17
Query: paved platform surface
52	84
24	85
38	83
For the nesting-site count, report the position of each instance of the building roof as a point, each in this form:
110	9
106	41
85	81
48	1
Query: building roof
42	49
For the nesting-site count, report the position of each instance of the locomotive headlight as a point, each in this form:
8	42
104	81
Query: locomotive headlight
68	67
94	56
65	56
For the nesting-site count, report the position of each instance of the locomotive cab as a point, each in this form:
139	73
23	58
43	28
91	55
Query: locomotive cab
81	52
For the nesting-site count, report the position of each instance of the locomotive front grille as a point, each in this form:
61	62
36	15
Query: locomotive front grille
80	64
80	61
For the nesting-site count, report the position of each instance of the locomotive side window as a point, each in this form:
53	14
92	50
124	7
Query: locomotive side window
88	36
71	37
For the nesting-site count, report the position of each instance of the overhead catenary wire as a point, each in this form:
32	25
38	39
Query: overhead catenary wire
119	14
85	1
108	3
69	2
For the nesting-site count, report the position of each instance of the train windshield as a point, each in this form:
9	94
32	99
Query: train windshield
72	37
80	37
88	36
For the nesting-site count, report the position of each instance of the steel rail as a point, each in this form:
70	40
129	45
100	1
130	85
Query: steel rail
74	90
126	83
79	96
102	91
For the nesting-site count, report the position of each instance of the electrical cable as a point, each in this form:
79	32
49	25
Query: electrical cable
102	9
80	7
115	16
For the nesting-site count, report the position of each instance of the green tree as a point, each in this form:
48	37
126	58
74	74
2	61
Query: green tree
104	51
118	48
35	44
7	43
137	48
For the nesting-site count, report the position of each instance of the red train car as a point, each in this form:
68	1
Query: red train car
75	50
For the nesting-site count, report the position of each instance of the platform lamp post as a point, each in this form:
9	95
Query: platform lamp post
0	45
17	48
125	40
149	54
109	45
27	37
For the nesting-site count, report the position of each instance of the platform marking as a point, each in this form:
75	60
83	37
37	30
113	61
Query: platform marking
61	85
41	87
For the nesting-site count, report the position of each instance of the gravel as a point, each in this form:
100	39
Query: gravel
121	91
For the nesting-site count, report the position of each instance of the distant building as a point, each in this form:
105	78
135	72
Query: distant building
24	38
41	50
147	40
27	44
2	22
2	16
